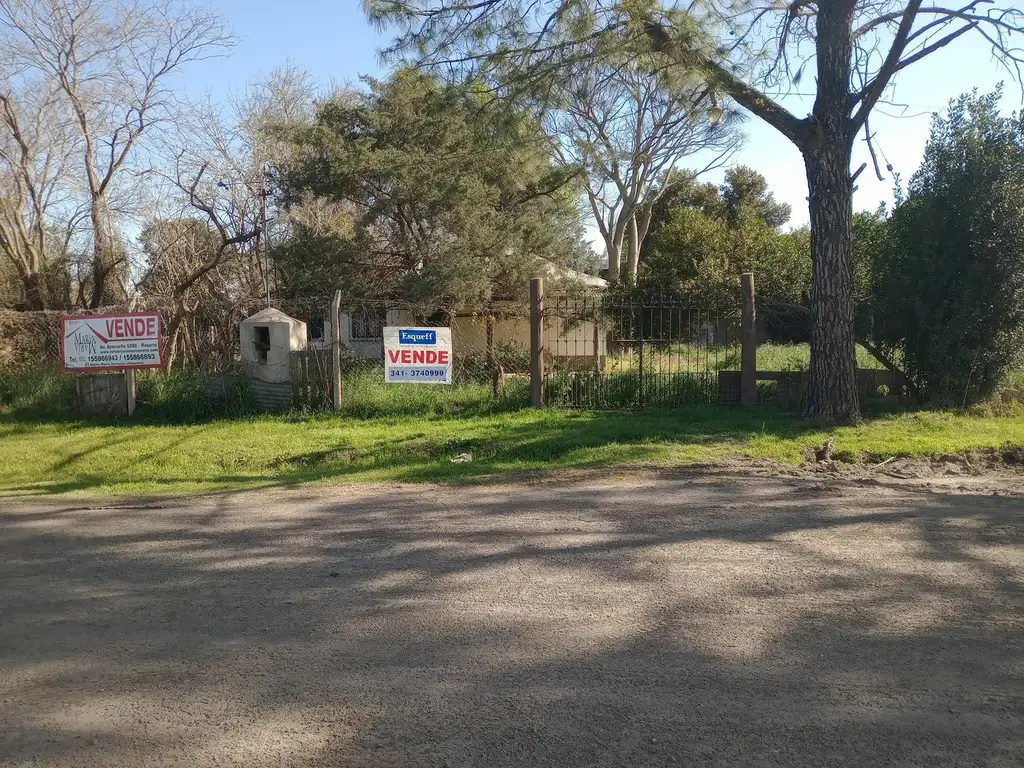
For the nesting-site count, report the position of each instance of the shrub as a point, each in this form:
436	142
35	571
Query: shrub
949	288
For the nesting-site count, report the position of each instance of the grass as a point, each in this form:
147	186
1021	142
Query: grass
797	357
45	457
700	358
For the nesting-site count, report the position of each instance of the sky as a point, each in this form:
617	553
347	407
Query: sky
336	44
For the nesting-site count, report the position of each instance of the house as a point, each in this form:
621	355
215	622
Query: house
505	327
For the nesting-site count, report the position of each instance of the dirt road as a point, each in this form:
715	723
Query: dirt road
704	620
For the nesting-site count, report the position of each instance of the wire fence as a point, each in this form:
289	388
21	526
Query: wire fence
490	351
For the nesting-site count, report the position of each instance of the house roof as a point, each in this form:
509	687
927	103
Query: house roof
270	315
565	273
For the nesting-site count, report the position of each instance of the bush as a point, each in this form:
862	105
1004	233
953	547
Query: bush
699	256
949	288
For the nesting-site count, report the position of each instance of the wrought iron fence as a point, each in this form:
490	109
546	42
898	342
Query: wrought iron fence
636	350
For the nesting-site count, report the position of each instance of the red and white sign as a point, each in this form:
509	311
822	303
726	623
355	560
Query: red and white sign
111	342
417	355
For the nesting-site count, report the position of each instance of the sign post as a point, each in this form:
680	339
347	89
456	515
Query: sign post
417	355
124	342
129	385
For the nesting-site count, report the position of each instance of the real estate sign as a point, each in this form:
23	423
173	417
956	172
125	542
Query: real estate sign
417	355
111	342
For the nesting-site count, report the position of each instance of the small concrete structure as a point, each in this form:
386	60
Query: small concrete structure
267	339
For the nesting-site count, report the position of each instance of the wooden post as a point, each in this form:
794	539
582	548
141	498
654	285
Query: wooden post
537	341
336	351
493	366
748	367
129	383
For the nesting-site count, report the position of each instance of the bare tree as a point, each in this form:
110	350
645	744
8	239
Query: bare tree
206	246
754	51
112	61
238	147
628	126
38	212
185	252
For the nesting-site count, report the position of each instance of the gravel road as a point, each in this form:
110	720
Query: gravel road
664	620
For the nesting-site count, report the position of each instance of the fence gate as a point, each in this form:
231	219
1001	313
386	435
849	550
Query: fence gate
636	350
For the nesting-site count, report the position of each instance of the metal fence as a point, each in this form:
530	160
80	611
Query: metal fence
636	350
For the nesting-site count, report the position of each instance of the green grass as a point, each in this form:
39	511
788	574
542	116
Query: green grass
698	358
42	457
797	357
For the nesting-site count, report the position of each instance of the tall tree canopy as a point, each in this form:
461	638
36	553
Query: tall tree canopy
703	236
752	51
436	195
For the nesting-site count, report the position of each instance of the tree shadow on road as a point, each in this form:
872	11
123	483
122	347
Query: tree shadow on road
701	621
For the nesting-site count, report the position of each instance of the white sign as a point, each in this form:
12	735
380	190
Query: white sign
111	342
417	355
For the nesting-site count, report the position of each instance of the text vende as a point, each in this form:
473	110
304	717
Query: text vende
413	356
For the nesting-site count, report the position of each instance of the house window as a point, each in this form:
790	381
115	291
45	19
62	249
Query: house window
261	341
316	328
367	324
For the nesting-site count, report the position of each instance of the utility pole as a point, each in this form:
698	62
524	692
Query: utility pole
263	233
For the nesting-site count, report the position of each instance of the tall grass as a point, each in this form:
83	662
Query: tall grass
797	357
182	396
176	397
367	395
43	393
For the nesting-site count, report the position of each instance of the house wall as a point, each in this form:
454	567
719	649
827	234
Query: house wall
469	334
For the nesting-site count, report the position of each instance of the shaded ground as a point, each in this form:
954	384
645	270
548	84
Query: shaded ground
687	619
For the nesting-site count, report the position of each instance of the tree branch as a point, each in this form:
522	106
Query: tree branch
873	92
746	95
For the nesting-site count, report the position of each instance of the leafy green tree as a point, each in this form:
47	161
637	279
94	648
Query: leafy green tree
449	198
950	284
704	236
700	256
746	190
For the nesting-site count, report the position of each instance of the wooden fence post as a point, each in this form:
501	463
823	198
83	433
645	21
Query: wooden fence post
537	341
336	351
129	383
748	367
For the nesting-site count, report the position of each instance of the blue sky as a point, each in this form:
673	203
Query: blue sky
335	43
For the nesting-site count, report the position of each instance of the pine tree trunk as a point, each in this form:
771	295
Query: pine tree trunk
832	385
